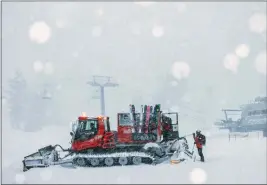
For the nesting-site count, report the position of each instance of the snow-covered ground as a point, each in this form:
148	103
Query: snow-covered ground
237	161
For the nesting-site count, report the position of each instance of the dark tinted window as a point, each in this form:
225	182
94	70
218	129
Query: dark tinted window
125	119
88	125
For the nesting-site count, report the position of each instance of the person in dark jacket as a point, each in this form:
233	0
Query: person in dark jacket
200	140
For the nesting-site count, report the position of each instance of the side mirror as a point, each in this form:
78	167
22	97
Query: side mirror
71	133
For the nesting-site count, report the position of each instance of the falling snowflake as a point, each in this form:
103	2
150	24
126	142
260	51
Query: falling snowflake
158	31
99	12
198	176
242	50
231	62
48	69
46	175
260	63
96	31
180	70
40	32
38	66
257	23
20	178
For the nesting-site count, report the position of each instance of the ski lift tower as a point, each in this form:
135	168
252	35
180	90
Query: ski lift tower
106	82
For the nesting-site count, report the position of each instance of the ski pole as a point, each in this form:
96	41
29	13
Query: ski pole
193	148
186	135
194	158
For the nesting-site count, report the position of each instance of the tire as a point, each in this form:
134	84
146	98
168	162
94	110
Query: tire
94	161
137	160
81	161
109	161
123	161
159	152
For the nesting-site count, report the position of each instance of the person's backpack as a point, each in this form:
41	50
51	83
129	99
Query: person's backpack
204	140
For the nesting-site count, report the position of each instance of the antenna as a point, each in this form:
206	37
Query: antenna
107	83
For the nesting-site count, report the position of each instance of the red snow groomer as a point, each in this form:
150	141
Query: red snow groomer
138	139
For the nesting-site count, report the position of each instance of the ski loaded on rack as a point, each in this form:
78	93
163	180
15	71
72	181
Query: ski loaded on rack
150	137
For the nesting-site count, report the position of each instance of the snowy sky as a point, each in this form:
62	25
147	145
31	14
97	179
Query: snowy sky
198	55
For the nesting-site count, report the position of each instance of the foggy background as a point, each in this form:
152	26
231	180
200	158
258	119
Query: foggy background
195	58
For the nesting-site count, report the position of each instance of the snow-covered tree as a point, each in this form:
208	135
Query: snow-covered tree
17	101
28	109
36	113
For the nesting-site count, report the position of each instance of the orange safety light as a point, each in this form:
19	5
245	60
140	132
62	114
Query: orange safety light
83	114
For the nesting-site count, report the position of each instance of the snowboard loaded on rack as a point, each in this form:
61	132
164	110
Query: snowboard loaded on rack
150	136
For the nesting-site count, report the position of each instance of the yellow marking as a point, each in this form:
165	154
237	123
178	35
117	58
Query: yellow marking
175	161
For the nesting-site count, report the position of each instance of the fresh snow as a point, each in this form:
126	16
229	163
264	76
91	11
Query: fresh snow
240	160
